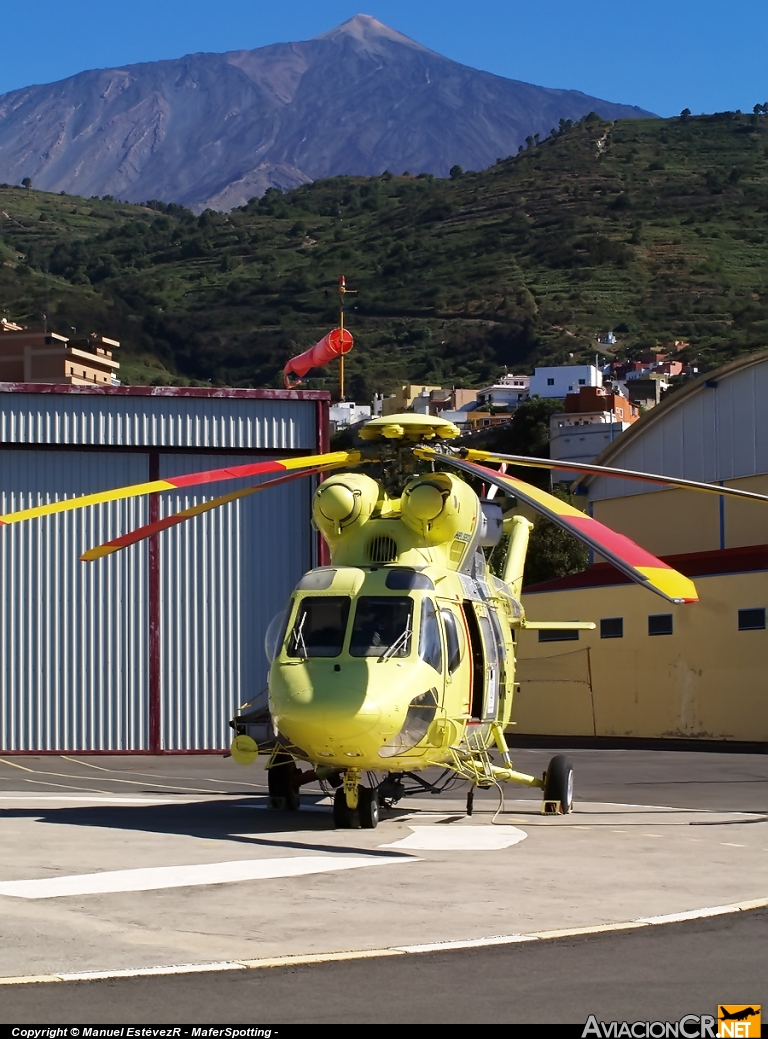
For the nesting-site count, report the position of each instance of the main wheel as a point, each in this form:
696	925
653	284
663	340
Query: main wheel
558	782
283	783
368	807
344	817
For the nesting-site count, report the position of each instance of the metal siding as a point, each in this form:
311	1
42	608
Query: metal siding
223	577
230	423
74	670
718	433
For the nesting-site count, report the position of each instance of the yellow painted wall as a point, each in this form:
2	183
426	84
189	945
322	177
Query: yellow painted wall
707	680
665	522
676	521
746	523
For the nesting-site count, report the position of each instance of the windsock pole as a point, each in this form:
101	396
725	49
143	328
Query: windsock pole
343	290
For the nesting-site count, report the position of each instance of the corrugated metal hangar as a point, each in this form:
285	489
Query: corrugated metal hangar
150	649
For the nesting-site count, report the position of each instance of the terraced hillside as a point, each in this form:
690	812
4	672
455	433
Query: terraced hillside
655	228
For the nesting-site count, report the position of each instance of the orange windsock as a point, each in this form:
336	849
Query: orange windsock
333	345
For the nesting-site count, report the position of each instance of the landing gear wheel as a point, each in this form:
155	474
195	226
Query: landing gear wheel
368	808
344	817
283	783
558	783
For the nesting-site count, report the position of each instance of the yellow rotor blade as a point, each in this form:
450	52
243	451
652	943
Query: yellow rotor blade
134	536
236	472
603	470
638	564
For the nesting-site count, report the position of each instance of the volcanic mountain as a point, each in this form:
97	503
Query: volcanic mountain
213	130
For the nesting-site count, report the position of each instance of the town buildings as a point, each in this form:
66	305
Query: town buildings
37	355
591	420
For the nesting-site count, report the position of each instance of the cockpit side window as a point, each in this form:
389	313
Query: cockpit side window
320	626
382	627
453	639
430	649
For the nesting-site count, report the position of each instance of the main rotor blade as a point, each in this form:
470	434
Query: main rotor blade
603	470
134	536
170	483
638	564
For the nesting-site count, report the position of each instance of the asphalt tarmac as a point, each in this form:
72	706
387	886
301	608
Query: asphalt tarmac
121	864
655	974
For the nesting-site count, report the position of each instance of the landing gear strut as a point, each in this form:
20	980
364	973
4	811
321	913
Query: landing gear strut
355	805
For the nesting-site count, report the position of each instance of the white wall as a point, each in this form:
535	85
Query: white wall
557	382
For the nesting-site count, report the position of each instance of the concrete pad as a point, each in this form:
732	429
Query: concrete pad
607	863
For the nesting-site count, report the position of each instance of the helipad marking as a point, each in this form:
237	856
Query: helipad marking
398	950
156	877
459	838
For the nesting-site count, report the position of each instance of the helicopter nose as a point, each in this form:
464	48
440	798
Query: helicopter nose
325	707
310	721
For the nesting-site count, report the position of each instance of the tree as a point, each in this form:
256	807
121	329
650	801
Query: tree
685	114
455	172
27	183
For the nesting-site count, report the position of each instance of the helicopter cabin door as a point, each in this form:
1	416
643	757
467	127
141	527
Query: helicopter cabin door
485	663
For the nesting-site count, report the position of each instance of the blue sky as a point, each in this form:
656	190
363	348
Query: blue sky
663	56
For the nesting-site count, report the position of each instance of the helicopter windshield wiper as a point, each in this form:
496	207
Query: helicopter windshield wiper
401	639
298	638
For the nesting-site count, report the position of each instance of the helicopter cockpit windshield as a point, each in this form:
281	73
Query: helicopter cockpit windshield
382	627
320	626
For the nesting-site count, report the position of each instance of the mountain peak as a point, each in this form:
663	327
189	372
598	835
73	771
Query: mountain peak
369	31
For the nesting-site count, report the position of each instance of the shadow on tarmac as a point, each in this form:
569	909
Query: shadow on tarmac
212	820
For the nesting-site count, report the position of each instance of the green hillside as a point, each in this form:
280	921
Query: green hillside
655	228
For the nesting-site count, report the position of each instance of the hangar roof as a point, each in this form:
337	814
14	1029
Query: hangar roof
713	429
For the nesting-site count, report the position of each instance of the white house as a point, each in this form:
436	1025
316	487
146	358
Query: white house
347	413
508	392
559	381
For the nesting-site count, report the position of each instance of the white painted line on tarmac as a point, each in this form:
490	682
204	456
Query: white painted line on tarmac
459	838
157	877
265	806
398	950
103	799
692	914
148	972
476	943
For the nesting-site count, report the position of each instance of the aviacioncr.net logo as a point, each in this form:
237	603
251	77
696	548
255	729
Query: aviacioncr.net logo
692	1026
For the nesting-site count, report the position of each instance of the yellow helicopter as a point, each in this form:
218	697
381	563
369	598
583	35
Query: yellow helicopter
400	655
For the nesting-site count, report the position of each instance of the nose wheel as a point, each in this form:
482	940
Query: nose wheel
365	815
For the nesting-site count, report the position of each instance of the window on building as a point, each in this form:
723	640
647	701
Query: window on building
582	382
660	624
550	382
752	620
612	628
559	635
